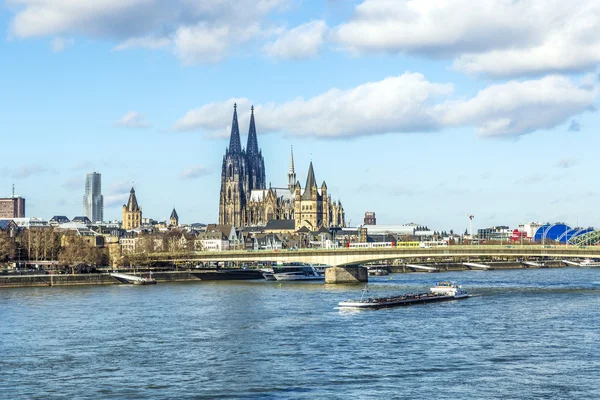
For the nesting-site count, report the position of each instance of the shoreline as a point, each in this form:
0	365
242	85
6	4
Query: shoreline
199	275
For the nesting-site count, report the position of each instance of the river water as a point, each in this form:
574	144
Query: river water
526	334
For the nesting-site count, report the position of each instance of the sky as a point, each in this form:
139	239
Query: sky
419	110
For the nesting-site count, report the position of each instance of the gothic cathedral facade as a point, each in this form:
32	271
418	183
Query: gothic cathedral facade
246	201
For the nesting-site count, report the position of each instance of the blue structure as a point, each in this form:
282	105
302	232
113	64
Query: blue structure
558	232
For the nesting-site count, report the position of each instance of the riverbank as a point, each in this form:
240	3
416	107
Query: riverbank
20	281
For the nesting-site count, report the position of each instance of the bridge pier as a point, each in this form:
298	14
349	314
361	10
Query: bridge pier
347	274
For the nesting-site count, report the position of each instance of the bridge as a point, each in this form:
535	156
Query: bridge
353	256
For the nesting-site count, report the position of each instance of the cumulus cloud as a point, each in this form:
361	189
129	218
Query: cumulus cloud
147	42
395	104
491	37
409	103
303	41
209	43
211	117
132	119
194	172
196	31
515	108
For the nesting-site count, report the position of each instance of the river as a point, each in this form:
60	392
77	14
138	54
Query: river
525	334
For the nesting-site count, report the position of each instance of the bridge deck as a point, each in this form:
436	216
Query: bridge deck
355	256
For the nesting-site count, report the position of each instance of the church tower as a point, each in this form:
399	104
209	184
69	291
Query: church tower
174	219
132	213
292	173
234	179
254	159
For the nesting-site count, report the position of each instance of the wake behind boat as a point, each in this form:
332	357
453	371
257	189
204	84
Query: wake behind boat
443	291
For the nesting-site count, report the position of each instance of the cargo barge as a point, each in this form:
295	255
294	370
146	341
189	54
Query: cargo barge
443	291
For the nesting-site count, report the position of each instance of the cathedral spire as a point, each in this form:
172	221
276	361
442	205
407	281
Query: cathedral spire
252	145
292	173
292	161
234	141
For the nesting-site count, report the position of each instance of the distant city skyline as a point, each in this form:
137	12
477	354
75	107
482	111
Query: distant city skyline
419	111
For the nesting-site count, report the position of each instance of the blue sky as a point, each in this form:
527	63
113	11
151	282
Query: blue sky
422	111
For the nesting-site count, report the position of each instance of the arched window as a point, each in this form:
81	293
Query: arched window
229	194
230	170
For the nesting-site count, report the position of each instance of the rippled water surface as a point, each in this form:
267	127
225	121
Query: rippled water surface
526	334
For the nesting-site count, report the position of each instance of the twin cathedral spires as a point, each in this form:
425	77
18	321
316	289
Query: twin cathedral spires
243	171
245	199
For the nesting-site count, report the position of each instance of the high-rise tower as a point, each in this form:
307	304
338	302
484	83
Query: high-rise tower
93	201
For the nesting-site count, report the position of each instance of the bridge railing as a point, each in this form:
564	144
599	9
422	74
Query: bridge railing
420	251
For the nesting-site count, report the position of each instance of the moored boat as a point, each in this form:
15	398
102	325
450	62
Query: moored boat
296	272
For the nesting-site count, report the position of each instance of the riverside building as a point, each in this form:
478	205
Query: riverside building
93	201
132	213
12	207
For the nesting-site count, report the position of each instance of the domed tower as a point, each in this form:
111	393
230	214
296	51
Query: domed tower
234	179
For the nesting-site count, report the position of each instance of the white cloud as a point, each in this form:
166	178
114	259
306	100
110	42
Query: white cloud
209	43
213	117
196	31
194	172
303	41
515	108
409	103
491	37
132	119
60	44
146	42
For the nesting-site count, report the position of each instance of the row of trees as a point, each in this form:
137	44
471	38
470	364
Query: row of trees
33	245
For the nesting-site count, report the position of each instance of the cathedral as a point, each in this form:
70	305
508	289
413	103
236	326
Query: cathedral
246	201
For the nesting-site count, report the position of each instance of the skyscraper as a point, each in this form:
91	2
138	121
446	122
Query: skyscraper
93	201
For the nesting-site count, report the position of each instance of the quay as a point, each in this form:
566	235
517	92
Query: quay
38	280
350	275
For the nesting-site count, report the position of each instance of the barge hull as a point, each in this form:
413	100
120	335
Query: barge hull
397	303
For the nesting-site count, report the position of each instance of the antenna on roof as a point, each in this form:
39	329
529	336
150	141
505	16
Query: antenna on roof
13	192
